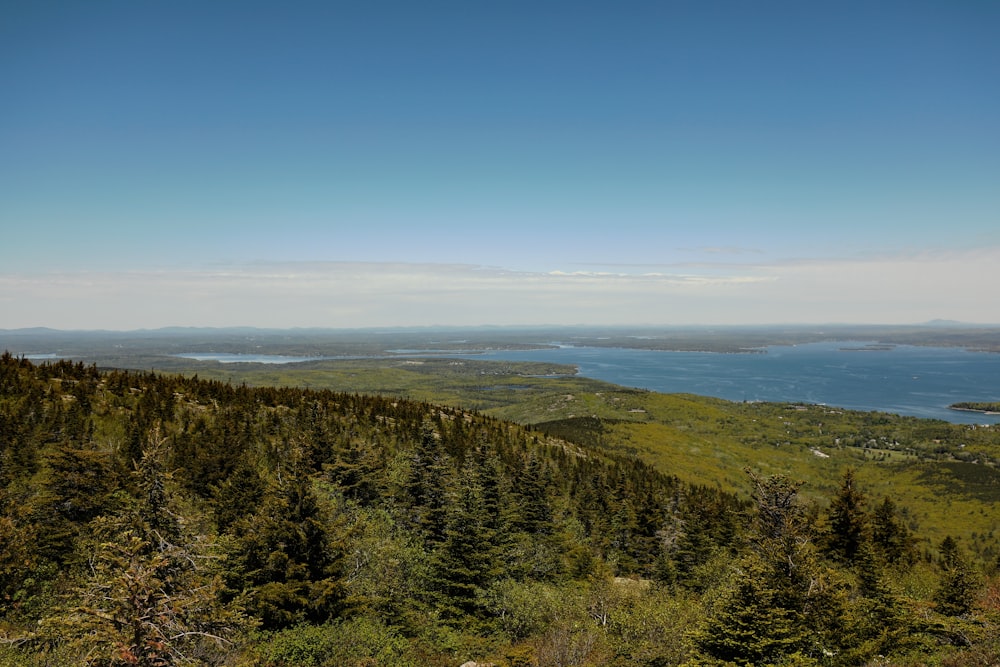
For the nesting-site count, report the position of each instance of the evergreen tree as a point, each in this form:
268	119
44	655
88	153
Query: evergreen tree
79	485
958	584
531	487
779	599
239	495
624	526
890	536
467	560
499	513
687	546
357	470
877	623
150	597
749	624
848	521
145	603
426	486
18	553
153	510
286	560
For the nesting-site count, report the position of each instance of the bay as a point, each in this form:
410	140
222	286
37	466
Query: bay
903	379
240	358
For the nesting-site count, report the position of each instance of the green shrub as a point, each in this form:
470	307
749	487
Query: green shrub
358	642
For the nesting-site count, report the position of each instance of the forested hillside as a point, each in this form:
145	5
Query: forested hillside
151	519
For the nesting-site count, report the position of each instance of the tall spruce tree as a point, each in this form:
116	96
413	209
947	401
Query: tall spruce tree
467	560
956	592
426	486
891	537
285	564
847	520
779	599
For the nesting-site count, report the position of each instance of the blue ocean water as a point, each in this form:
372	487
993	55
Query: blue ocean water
904	379
233	358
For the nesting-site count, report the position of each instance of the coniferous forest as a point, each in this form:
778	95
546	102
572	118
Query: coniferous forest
151	519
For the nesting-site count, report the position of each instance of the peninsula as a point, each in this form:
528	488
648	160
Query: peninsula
990	408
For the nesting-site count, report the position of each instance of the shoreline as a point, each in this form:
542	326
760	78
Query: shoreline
982	411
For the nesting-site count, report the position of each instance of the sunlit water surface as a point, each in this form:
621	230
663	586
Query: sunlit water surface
905	379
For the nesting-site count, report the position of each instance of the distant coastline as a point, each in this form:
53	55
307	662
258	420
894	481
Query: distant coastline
987	408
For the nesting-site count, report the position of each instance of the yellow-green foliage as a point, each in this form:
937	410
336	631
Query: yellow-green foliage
944	476
939	473
153	519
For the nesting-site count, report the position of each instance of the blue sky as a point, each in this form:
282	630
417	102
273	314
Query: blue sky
402	163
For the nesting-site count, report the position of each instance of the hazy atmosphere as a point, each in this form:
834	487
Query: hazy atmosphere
389	163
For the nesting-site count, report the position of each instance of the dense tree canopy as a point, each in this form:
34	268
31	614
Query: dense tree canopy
159	520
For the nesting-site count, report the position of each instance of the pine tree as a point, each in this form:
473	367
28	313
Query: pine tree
18	553
848	521
238	495
357	470
890	536
958	584
426	486
876	623
531	487
153	511
79	485
624	526
498	509
779	600
688	546
286	559
467	560
150	597
750	625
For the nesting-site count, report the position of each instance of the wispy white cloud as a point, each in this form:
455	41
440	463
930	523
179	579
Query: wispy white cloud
904	288
723	250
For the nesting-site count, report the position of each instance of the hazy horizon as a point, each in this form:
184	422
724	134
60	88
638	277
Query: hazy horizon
446	164
835	328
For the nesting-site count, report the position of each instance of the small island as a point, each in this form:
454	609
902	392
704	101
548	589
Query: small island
989	407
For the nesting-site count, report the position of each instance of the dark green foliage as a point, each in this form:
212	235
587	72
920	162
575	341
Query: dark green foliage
76	485
147	519
751	624
18	553
468	558
144	601
286	557
968	478
153	510
848	521
532	497
877	620
781	599
238	495
426	485
957	589
687	545
356	470
148	595
891	538
984	406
